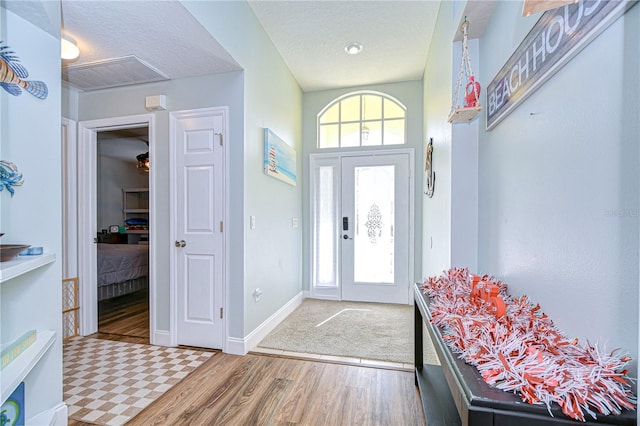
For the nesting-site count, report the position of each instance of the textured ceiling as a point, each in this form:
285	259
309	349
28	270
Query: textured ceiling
161	33
311	36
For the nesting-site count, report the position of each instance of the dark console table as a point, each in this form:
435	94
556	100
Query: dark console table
455	393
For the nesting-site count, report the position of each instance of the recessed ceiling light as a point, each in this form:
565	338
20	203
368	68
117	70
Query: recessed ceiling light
353	48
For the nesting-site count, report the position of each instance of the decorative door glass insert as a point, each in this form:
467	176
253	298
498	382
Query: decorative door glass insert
373	238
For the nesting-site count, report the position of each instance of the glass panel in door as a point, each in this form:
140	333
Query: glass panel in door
375	228
374	214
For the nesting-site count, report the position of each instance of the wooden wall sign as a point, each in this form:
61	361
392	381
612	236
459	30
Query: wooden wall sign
557	37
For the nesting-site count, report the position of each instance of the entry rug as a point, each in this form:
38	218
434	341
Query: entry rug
372	331
108	382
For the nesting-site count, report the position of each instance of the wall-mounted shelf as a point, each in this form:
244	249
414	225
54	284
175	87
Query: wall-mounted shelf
464	114
17	370
23	264
135	204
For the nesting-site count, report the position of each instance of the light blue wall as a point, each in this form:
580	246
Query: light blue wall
30	137
272	252
438	83
410	95
182	94
70	103
559	189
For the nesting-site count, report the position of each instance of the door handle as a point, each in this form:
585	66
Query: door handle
346	237
180	243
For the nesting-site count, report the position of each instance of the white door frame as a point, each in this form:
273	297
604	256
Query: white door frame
87	216
361	153
173	285
69	199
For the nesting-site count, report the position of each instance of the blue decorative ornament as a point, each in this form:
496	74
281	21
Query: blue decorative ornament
10	176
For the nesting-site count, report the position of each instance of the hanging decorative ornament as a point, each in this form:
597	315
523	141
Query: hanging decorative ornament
472	105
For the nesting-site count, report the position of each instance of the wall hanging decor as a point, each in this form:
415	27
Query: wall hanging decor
554	40
13	75
430	182
471	106
279	158
10	176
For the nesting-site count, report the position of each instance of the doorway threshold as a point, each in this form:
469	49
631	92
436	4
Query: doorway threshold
362	362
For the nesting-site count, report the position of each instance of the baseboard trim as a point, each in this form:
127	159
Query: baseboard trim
235	346
162	338
61	415
238	346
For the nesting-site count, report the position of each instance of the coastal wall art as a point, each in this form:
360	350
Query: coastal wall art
279	158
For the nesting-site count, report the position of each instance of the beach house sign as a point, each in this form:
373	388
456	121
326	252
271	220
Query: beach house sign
557	37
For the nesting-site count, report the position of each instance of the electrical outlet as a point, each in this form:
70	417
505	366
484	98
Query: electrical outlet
252	222
294	222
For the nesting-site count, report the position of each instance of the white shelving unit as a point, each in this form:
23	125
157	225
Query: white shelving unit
17	370
135	203
23	264
31	287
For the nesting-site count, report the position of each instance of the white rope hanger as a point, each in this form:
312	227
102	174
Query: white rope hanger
472	106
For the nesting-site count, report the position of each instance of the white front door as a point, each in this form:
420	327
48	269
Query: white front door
374	228
198	203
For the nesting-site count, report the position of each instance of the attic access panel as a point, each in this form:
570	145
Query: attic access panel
117	72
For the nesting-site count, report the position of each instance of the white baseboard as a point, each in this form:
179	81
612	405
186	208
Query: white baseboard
323	297
61	416
235	346
238	346
56	416
161	338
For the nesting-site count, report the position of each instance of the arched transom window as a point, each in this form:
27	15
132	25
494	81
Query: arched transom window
362	119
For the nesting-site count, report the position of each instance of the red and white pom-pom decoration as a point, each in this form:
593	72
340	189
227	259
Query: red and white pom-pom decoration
516	348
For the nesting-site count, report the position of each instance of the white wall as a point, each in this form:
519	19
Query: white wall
188	93
438	83
264	95
272	252
558	179
559	189
70	103
410	95
30	136
113	175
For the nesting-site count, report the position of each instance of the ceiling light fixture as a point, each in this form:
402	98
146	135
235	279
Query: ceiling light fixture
68	47
353	48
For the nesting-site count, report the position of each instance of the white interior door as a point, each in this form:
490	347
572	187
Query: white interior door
198	230
375	228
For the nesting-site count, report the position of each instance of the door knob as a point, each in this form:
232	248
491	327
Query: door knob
180	243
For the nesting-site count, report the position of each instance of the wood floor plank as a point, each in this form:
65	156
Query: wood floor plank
263	390
125	315
270	390
295	405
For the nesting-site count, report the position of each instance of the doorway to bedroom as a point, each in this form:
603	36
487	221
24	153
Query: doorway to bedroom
122	216
108	228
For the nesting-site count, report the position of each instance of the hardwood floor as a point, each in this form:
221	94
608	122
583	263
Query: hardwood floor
267	390
262	389
125	318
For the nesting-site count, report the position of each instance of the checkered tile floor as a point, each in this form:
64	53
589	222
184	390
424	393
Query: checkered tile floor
107	382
